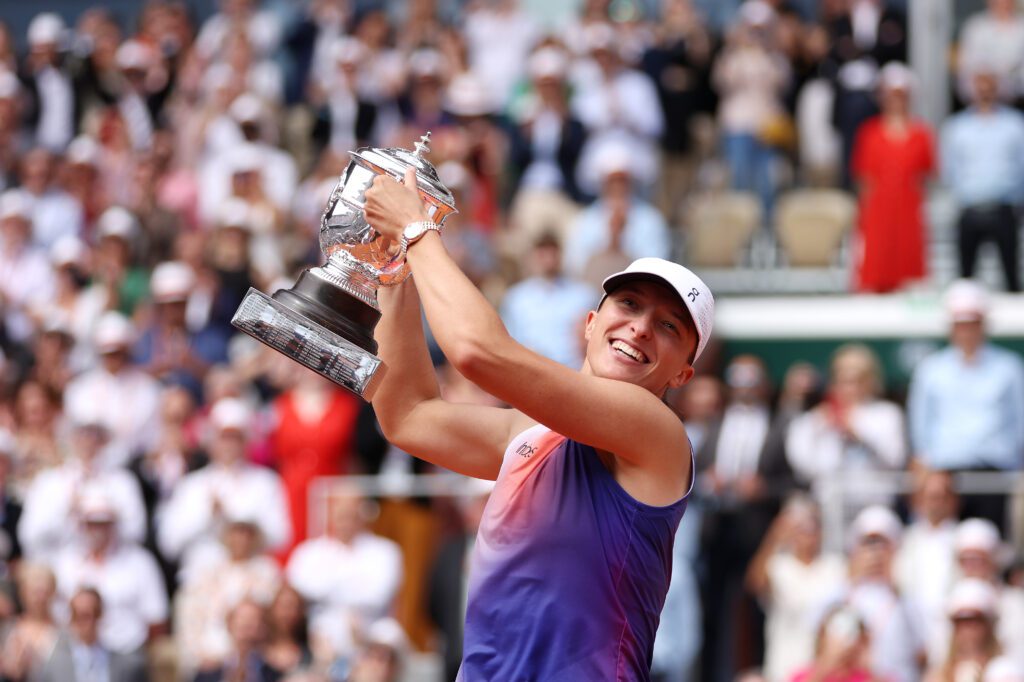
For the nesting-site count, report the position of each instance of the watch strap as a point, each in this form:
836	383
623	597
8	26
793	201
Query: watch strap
426	226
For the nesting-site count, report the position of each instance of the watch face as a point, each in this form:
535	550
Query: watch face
413	231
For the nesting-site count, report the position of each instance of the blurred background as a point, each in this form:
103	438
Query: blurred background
181	503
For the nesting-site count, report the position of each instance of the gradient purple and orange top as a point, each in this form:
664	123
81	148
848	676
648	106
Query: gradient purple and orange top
569	572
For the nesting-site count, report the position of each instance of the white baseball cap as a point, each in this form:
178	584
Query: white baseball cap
971	596
113	332
172	281
133	54
84	151
695	293
230	413
547	62
116	221
46	28
966	301
877	520
246	108
980	535
16	203
96	506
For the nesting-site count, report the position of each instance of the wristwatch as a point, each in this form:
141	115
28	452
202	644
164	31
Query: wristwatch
413	232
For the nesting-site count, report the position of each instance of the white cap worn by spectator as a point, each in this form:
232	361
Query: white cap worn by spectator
236	212
1003	669
600	38
114	332
388	633
966	301
68	250
133	55
246	108
348	50
427	63
613	158
10	87
979	535
244	158
756	13
547	63
117	222
970	597
172	281
691	289
468	96
16	203
95	506
46	28
876	520
896	76
230	414
83	151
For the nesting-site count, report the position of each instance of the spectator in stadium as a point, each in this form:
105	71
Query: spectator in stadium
980	553
53	502
26	280
81	180
982	151
619	222
228	487
381	657
55	213
853	433
117	381
313	436
167	348
12	135
893	158
46	74
994	37
864	36
618	105
203	605
247	626
545	311
971	610
126	576
287	647
925	565
700	404
30	640
37	427
80	654
10	506
965	401
789	574
544	150
892	620
349	576
751	76
840	650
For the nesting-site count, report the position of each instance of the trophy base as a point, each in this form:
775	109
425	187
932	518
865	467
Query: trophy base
314	345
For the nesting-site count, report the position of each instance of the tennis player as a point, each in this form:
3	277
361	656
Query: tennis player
573	557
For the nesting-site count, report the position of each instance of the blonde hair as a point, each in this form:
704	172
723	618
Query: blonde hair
866	359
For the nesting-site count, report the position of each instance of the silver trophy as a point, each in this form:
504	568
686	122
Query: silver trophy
326	320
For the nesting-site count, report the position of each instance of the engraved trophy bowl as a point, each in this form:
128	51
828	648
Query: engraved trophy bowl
326	320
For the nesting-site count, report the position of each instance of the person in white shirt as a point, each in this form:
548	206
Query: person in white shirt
125	575
348	575
228	487
789	574
980	553
851	436
117	394
972	610
55	213
26	279
53	91
925	568
53	502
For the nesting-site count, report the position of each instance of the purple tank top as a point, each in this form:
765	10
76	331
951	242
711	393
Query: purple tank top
568	574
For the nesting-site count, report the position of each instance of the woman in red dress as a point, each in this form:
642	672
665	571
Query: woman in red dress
313	435
893	157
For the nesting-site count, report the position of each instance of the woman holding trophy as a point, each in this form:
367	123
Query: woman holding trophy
573	556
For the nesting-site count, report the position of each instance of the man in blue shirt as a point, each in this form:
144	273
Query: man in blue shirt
966	401
983	164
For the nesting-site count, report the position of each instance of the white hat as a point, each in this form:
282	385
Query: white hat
113	332
68	250
116	221
980	535
246	108
756	13
695	294
966	301
972	595
16	203
348	50
94	504
235	212
46	28
599	37
896	76
230	413
1003	669
172	281
876	520
427	62
9	84
83	150
468	96
387	632
133	54
613	157
244	158
547	62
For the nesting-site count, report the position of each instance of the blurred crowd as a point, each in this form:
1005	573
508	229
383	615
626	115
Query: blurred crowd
160	516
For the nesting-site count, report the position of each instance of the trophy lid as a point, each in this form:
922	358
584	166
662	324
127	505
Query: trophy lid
395	160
